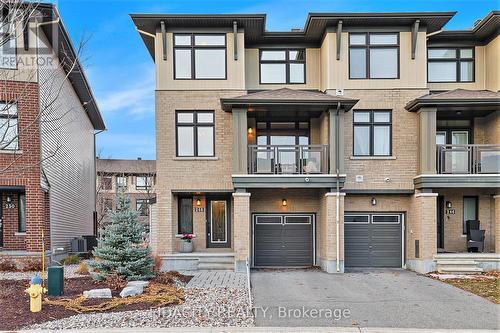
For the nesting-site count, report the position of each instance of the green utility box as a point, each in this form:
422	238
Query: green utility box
55	281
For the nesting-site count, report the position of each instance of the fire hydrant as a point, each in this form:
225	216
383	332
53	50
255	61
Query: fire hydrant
35	292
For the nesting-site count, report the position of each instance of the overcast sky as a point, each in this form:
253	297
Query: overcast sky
121	71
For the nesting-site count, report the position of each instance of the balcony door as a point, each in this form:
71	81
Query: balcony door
454	158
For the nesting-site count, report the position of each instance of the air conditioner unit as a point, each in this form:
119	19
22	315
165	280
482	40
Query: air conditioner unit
78	245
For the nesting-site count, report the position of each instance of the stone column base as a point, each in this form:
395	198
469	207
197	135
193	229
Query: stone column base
421	265
240	266
330	266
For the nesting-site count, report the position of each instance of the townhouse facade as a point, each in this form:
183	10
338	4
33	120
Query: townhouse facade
134	178
48	122
361	140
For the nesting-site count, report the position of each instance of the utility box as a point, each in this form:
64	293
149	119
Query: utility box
55	281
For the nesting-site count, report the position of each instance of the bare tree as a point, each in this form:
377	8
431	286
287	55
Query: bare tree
23	66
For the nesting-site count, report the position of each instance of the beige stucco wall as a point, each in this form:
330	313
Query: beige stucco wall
313	70
412	71
235	70
492	59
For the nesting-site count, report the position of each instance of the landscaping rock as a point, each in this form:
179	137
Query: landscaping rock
98	293
142	284
131	291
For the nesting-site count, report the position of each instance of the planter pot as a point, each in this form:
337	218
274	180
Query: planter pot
186	247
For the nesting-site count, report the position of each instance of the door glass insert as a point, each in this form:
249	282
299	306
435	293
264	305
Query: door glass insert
218	221
440	138
460	155
470	210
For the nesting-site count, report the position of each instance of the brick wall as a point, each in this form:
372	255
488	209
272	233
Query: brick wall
22	169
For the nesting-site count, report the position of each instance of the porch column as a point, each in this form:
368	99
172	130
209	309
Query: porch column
240	143
336	147
427	140
422	233
497	223
241	225
328	260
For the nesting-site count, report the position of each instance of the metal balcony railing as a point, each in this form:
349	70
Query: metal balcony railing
468	159
288	159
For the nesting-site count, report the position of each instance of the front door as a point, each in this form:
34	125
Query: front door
440	222
218	223
1	221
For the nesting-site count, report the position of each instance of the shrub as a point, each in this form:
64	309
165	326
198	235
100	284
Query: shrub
7	265
71	260
83	269
31	265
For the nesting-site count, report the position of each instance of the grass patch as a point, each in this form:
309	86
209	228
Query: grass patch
484	287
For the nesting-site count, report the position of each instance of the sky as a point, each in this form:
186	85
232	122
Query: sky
121	71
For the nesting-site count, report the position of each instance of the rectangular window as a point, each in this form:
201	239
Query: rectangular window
372	133
9	133
106	182
374	55
142	206
282	66
450	64
7	46
185	216
121	182
143	182
108	204
470	210
195	133
200	56
22	213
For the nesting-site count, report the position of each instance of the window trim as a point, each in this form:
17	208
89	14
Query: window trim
19	229
367	48
195	126
16	67
147	187
193	47
102	181
117	183
15	116
457	61
476	198
179	200
371	125
287	63
144	202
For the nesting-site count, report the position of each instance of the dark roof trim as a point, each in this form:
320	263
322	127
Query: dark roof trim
379	191
418	103
77	77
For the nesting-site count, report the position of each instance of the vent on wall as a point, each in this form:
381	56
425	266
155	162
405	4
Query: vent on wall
417	248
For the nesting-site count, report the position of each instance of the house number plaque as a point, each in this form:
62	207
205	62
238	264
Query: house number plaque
451	211
199	209
10	205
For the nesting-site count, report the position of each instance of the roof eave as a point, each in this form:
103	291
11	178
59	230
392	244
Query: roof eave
416	104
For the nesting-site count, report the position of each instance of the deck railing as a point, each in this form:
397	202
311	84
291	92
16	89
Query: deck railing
288	159
468	159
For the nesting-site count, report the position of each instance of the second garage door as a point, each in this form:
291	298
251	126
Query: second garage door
283	240
373	240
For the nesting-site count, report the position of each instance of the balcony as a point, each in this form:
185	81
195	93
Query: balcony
288	159
468	159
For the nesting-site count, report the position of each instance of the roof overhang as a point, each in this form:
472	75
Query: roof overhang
492	104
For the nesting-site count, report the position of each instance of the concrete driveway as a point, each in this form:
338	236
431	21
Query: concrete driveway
369	298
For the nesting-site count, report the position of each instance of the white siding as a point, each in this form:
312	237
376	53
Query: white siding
67	131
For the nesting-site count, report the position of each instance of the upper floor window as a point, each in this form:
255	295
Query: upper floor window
143	182
450	64
283	66
7	45
106	182
195	133
141	206
374	55
372	132
200	56
9	135
107	204
121	182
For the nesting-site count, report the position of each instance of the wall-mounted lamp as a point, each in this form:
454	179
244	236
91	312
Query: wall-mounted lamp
8	199
198	202
284	203
373	201
250	131
448	204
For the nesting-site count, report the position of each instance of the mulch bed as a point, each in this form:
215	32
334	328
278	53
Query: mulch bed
15	304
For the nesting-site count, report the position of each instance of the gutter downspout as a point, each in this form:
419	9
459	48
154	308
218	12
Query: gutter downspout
337	160
434	33
145	33
94	215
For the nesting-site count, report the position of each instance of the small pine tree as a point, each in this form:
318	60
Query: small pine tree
121	247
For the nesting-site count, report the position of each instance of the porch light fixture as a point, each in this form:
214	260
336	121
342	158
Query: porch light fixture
250	131
284	203
198	202
448	204
8	199
374	201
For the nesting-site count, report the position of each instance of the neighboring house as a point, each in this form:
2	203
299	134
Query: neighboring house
361	140
136	178
48	122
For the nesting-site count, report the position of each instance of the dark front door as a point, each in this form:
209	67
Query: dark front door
440	222
1	221
218	222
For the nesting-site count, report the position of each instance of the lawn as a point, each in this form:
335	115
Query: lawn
486	286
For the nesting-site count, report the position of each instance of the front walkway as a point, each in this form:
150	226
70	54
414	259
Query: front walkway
369	298
217	279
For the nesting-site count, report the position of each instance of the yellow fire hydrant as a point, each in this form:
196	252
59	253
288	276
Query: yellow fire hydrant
35	291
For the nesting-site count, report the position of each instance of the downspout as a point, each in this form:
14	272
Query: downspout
337	160
145	33
434	33
94	215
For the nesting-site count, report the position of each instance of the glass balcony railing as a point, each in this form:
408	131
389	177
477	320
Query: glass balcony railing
468	159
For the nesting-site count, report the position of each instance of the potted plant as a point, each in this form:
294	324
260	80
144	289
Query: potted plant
186	243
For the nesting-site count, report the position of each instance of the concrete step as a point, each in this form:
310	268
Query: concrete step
218	259
455	262
459	269
216	266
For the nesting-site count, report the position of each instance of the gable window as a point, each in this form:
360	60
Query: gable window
143	182
200	56
195	133
121	182
374	55
282	66
21	227
372	133
106	182
7	46
141	205
450	64
9	134
185	216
